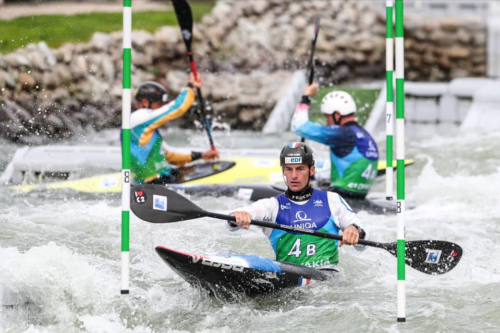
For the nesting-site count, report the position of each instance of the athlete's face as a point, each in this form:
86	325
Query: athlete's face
297	176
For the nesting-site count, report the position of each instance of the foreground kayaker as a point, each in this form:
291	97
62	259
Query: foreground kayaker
151	159
353	152
303	207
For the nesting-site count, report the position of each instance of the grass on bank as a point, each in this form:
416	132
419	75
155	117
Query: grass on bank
56	30
364	98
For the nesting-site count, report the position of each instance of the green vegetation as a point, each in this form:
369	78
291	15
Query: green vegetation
364	98
56	30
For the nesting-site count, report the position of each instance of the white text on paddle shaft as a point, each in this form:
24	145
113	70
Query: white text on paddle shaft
208	262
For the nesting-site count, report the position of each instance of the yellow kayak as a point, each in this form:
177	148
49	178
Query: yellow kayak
239	170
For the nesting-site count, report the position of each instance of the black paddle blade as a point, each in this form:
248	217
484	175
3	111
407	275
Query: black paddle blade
157	204
431	257
185	19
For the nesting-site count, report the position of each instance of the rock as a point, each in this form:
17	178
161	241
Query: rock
140	38
168	35
450	24
259	7
54	121
444	62
65	53
299	22
246	115
249	100
226	108
47	53
51	80
3	63
27	81
440	38
458	72
16	60
107	68
79	66
100	41
457	52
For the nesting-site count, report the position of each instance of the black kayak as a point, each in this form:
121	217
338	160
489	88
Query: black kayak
254	192
231	275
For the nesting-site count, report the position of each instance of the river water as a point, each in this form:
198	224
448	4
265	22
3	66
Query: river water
60	255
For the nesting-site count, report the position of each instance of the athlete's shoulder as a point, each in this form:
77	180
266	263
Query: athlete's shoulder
140	116
336	201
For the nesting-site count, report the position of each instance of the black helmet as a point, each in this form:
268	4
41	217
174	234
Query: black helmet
152	91
297	153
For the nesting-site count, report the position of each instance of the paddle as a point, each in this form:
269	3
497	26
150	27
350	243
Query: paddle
157	204
311	60
185	19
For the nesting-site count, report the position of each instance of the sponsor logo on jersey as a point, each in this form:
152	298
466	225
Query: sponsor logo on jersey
372	151
301	216
285	206
318	203
433	256
291	160
319	263
303	222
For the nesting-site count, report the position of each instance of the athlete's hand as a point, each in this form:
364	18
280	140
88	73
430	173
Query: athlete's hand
210	155
311	90
350	236
242	219
195	81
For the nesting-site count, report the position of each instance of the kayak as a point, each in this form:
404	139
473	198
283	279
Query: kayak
233	170
230	275
222	178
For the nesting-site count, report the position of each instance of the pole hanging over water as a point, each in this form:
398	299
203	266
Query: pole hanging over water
126	109
389	57
400	151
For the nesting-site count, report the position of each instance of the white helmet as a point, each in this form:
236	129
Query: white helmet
339	101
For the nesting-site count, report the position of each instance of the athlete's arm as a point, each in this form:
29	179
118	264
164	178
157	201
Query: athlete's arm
263	210
329	135
346	220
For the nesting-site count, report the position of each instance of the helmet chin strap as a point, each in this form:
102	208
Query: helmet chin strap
335	119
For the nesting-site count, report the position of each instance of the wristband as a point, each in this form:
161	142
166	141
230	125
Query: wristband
361	232
305	100
195	155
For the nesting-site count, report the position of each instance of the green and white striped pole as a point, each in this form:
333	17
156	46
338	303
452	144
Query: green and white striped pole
389	109
126	109
400	151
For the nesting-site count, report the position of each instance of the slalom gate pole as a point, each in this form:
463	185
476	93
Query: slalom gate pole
400	151
389	57
126	109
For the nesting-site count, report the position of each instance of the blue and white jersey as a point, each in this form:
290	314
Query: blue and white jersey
324	211
353	152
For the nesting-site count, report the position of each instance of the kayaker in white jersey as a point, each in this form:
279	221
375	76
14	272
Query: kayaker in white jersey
303	207
151	158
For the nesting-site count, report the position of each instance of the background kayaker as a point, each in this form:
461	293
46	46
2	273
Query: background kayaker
353	152
151	158
303	207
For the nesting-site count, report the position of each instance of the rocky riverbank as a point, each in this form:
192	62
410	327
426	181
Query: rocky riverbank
246	51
